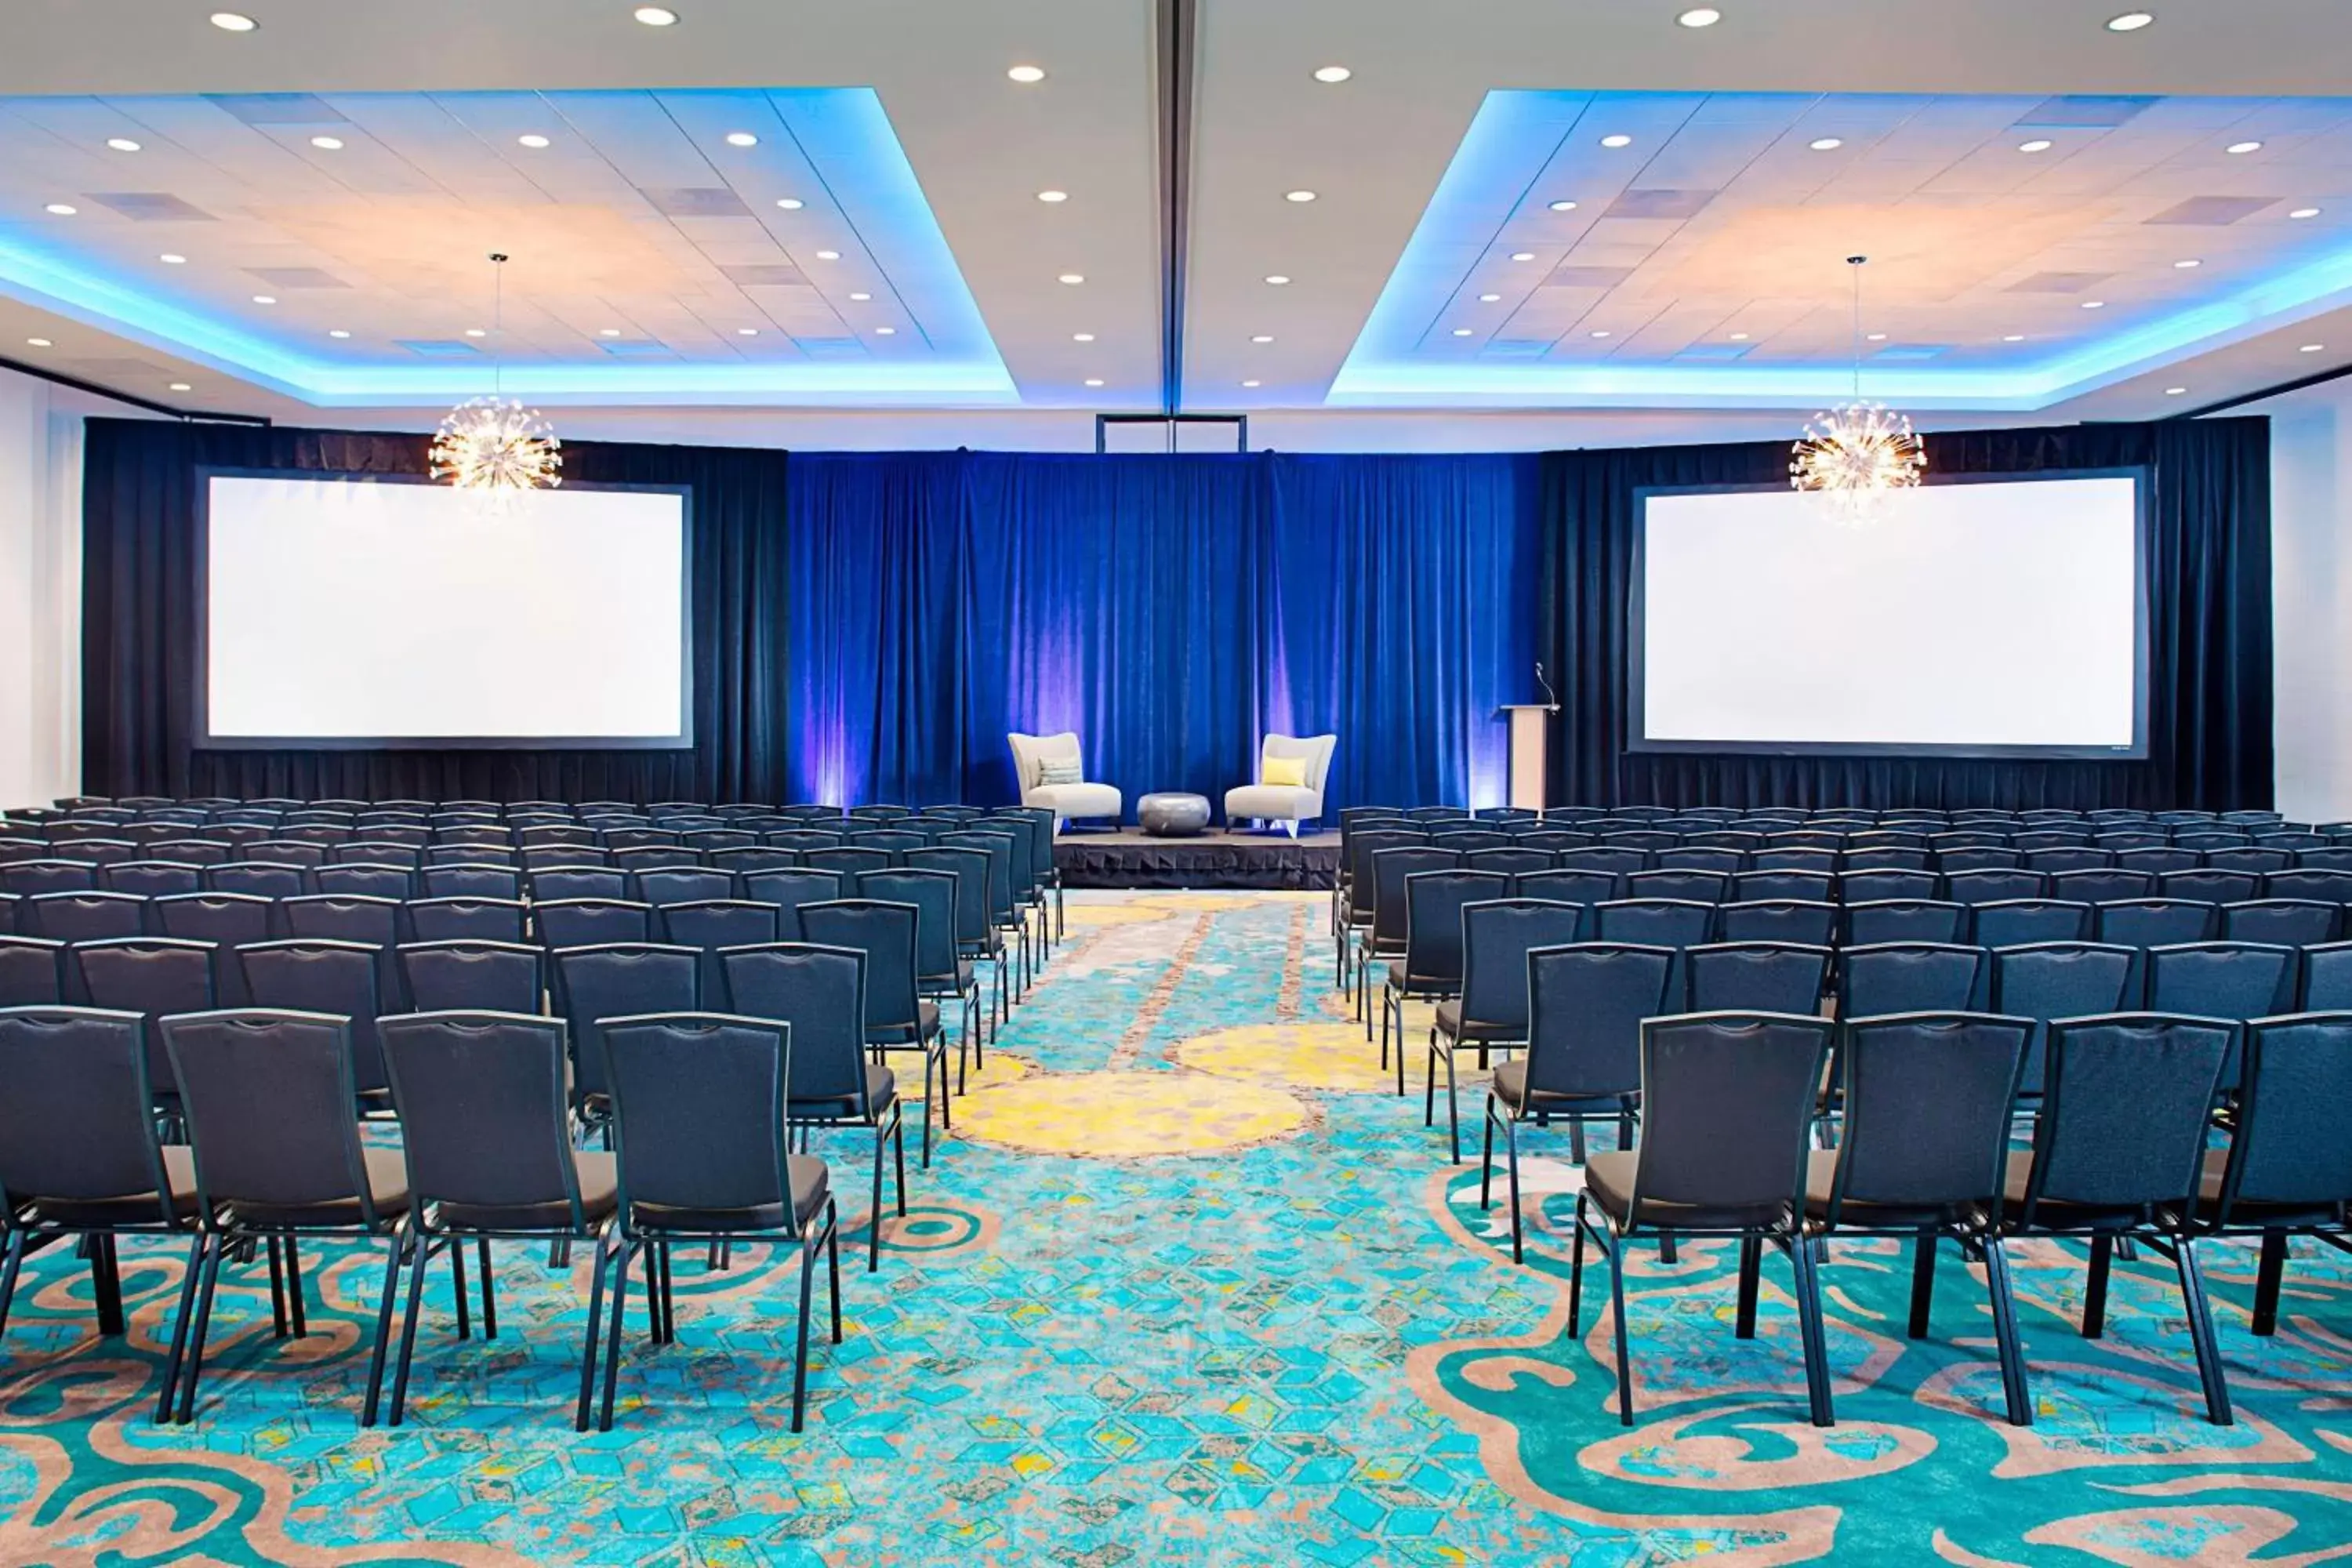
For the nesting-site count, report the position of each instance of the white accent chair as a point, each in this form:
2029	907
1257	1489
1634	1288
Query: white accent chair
1030	755
1289	804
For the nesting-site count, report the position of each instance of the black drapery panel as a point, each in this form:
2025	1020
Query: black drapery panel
139	607
2209	630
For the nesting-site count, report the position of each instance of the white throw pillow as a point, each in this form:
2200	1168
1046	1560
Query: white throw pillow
1060	771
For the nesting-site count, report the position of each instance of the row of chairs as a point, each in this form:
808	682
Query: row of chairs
712	1116
1716	1111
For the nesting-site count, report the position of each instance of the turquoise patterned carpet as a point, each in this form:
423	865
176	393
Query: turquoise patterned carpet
1187	1286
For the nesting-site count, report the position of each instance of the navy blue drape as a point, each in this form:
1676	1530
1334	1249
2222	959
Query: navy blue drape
2210	625
1170	610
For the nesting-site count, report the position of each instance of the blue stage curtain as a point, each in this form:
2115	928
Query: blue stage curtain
1170	610
2209	691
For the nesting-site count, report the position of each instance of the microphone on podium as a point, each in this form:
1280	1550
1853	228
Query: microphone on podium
1551	698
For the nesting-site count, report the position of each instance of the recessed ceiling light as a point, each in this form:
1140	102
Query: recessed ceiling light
1739	337
234	22
1094	381
608	331
2129	21
1082	337
39	342
265	299
2313	348
791	204
1073	278
1250	384
741	139
182	386
1826	143
2245	147
2305	212
327	143
2174	390
1563	207
2012	337
1332	73
828	256
1703	16
1026	74
61	209
2188	261
1050	196
747	332
1489	299
2095	304
1878	337
1278	278
1262	338
1523	256
122	144
172	259
1618	141
886	332
656	15
470	331
337	332
1601	334
2038	144
1460	331
532	140
860	296
1298	196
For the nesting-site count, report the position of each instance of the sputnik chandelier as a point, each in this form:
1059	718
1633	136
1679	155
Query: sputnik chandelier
1855	457
494	446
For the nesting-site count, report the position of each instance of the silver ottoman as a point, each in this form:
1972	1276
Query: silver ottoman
1172	815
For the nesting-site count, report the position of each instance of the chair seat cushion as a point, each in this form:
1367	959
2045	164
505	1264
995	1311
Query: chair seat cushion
2247	1211
131	1208
1401	981
881	1089
1510	1086
387	1179
1271	803
1609	1178
1451	1026
2056	1215
1076	799
1821	1173
599	1180
811	1183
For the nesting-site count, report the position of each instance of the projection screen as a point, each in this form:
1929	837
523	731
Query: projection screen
351	613
2001	618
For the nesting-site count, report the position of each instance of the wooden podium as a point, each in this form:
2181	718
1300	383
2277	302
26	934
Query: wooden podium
1530	735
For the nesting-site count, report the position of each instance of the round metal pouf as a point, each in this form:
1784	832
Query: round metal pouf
1172	815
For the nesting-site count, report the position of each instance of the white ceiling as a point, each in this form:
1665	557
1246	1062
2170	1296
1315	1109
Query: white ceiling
1375	150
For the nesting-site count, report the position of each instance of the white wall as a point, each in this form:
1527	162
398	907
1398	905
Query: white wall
40	595
2311	551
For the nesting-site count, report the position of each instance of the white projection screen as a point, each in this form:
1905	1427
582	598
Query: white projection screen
354	613
2001	618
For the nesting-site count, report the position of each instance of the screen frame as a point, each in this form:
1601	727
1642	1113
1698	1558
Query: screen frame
1638	742
205	741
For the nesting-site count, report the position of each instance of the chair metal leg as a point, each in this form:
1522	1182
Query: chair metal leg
2015	1392
800	1344
2095	1292
196	1251
1487	1162
294	1306
1576	1140
1805	1263
1511	1159
195	1363
457	1284
1923	1282
277	1292
874	1227
833	1261
1454	1108
629	1250
599	1260
2200	1330
946	1101
488	1288
1429	1084
1576	1273
2270	1276
401	1239
898	1152
927	1111
657	1283
11	1265
423	1247
106	1284
1751	1273
1614	1248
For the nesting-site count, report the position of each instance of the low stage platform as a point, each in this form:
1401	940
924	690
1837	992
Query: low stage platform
1132	858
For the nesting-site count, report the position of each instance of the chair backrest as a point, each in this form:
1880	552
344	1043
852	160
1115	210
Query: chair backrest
1687	886
592	922
2125	1107
821	992
2319	883
888	934
1799	920
28	878
1498	935
82	916
1583	889
1881	887
1754	978
1728	1102
313	975
154	977
1586	1003
2101	885
342	917
32	972
683	884
1015	838
2044	982
1390	867
933	893
790	890
465	975
699	1119
558	884
484	1121
894	842
77	1120
2156	922
150	879
1993	886
394	883
2326	978
1800	886
1616	860
1654	923
1314	750
2207	885
2288	1148
2235	980
1907	977
619	979
1433	902
2290	923
1512	860
467	918
2016	921
470	879
1927	1099
268	1097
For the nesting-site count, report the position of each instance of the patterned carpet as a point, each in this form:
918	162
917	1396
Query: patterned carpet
1186	1286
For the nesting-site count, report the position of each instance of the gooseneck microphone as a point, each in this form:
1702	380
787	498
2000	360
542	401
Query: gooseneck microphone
1550	696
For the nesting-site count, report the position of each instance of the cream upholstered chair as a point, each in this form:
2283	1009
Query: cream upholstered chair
1289	804
1035	755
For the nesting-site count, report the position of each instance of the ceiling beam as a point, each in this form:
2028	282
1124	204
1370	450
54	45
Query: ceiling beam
1179	32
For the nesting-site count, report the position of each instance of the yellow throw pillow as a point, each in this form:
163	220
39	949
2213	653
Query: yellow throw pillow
1290	770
